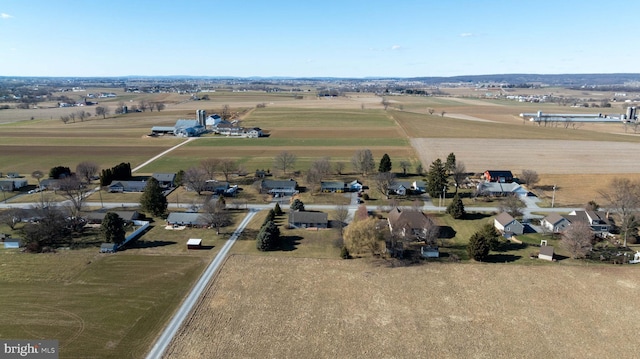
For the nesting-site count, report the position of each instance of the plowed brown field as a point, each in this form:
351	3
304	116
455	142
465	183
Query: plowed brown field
275	307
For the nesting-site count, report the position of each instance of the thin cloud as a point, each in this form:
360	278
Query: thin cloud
5	16
396	47
466	34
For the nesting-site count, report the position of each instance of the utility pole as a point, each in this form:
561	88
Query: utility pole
553	198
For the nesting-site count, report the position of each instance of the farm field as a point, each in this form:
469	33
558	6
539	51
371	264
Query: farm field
102	305
317	308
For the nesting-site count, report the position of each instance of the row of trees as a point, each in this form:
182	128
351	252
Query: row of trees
196	177
120	172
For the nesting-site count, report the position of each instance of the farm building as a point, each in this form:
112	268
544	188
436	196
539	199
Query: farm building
194	243
507	225
304	219
498	176
184	127
574	117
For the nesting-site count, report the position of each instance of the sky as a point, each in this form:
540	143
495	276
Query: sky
306	38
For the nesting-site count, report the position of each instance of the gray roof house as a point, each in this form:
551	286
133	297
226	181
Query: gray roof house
165	179
408	224
507	225
279	187
597	220
127	186
186	219
97	217
332	186
500	189
555	223
304	219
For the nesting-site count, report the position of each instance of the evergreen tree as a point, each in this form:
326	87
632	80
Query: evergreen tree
112	228
297	205
451	162
277	209
271	216
478	247
152	199
456	208
269	237
385	164
179	178
436	178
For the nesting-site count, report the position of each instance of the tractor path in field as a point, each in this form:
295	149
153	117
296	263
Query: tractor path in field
162	154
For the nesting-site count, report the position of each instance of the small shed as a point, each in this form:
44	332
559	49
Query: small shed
108	248
546	253
194	243
12	243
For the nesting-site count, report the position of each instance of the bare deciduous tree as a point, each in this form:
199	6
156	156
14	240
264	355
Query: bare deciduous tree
623	198
530	178
577	239
86	170
74	191
102	111
362	161
459	174
210	166
339	167
385	103
225	114
227	167
341	215
215	214
383	181
405	166
160	106
195	179
284	161
512	205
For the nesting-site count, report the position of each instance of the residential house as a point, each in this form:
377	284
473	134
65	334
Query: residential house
97	217
186	219
419	186
555	223
213	120
332	186
498	176
165	180
51	184
217	187
499	189
597	220
253	132
507	225
304	219
127	186
355	186
279	188
399	188
409	224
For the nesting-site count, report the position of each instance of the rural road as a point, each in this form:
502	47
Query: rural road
169	332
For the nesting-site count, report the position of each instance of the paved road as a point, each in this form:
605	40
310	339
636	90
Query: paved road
170	331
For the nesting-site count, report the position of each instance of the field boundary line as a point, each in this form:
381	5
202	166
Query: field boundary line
162	154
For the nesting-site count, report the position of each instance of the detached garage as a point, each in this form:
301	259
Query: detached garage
194	243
